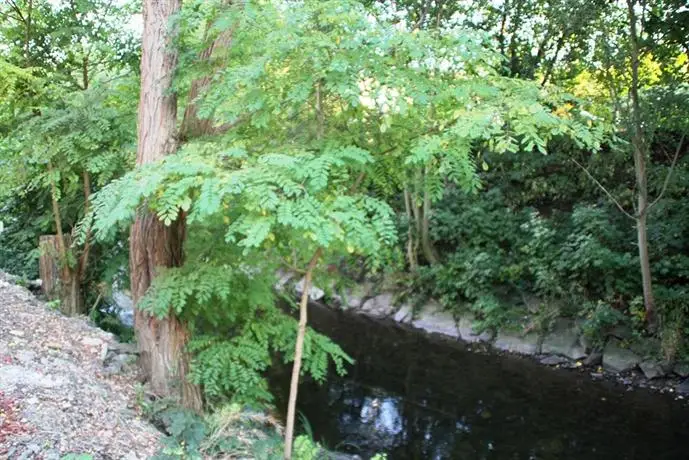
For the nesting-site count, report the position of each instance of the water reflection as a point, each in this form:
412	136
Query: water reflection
416	398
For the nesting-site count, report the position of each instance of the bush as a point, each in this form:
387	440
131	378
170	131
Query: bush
599	319
496	255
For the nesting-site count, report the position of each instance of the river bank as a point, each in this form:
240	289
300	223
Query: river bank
620	356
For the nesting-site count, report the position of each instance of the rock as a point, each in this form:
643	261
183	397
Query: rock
118	363
283	279
683	387
528	344
92	341
17	333
315	293
681	369
126	348
379	306
564	340
432	318
651	369
124	307
619	359
353	301
405	314
27	378
595	358
354	297
51	455
553	360
31	449
103	352
329	455
622	332
54	388
466	330
34	284
586	343
26	357
646	347
53	345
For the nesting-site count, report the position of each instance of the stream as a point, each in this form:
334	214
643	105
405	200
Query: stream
413	396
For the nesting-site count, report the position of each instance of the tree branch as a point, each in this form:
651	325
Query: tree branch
669	173
7	14
617	203
16	9
56	215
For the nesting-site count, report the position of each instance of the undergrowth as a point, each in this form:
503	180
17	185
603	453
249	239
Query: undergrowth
230	432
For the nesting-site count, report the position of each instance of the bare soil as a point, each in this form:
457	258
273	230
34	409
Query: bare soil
59	394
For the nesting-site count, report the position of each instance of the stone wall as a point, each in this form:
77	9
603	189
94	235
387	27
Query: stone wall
562	345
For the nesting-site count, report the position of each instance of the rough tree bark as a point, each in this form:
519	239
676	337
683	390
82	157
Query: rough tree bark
153	245
68	289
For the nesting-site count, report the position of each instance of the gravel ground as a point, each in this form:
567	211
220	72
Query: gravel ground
65	386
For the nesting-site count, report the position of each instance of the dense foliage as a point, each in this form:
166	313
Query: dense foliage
517	160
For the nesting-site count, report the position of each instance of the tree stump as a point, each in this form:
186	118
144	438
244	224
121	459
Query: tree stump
58	279
48	267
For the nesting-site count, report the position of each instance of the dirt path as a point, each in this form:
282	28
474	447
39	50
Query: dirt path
65	386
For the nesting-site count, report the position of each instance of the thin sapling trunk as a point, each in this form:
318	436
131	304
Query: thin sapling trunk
298	352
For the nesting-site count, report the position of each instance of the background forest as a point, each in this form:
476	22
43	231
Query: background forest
519	159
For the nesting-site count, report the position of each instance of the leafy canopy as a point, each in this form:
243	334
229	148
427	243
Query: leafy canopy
323	100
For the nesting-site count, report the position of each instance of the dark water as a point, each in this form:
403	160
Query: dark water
415	397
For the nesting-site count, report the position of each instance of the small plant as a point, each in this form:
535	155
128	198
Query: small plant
492	314
237	433
305	448
599	319
186	430
77	457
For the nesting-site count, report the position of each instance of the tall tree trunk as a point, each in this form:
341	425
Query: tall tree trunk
412	258
153	245
550	66
69	291
71	298
639	153
515	26
503	22
426	243
27	34
298	352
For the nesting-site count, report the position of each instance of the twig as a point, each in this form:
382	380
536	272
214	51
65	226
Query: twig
95	304
617	203
669	173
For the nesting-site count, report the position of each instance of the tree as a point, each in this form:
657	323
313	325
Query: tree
539	38
153	244
630	74
318	121
67	130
